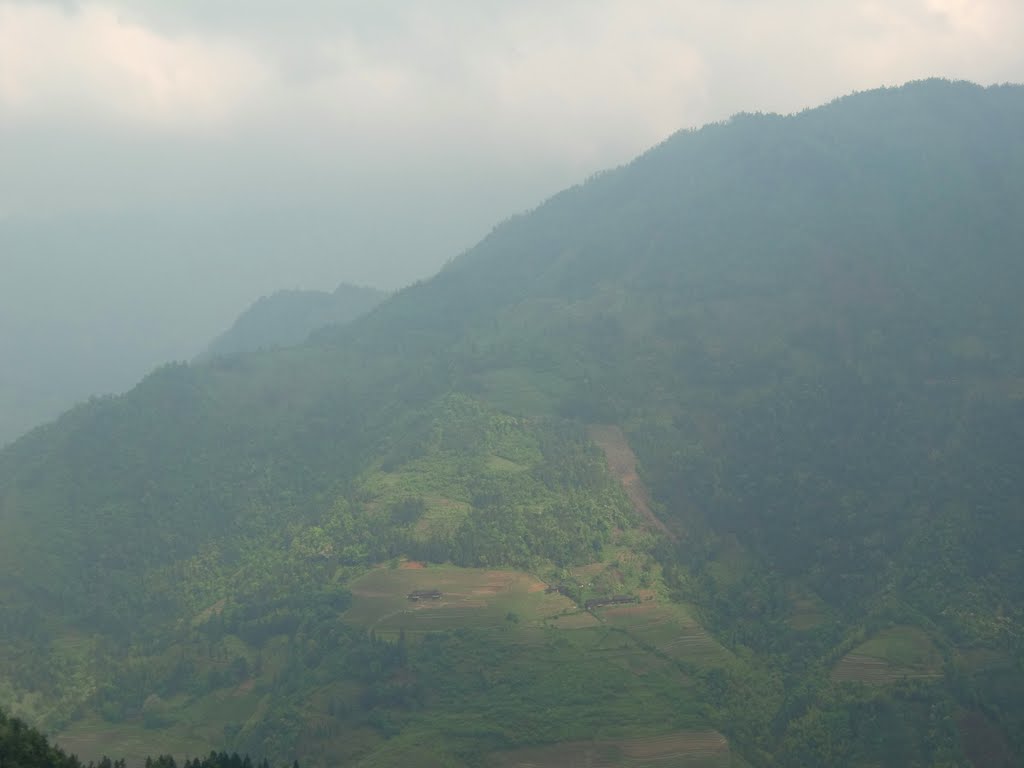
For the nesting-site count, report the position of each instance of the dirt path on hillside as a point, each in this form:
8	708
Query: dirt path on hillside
622	464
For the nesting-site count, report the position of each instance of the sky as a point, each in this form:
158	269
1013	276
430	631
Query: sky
163	163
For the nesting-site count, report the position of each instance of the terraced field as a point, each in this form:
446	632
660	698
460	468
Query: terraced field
858	668
807	610
668	628
682	749
890	655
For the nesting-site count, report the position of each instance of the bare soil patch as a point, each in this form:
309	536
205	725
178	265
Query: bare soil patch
622	464
214	610
630	610
411	565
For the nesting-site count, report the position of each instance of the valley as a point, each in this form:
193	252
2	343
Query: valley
711	460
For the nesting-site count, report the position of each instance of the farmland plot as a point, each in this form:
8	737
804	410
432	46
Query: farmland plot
682	749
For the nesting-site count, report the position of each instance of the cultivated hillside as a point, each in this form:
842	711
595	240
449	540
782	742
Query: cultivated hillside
764	384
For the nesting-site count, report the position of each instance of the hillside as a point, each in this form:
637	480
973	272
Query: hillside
765	382
22	746
287	318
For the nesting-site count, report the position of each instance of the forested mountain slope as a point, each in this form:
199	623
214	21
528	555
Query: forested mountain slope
287	318
807	328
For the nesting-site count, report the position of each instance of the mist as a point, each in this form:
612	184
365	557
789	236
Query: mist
163	166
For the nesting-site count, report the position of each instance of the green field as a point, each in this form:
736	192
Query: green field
681	749
471	597
890	655
92	738
515	601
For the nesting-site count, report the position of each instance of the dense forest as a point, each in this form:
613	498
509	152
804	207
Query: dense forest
763	386
287	318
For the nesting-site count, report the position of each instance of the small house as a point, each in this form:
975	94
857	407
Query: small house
424	594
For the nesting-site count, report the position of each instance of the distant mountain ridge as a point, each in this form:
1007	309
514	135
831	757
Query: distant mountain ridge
288	317
806	329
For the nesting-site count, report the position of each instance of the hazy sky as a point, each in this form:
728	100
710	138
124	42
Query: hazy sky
165	159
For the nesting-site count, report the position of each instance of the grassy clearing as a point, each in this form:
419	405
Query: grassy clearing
579	620
890	655
471	597
903	646
434	476
689	749
442	515
501	464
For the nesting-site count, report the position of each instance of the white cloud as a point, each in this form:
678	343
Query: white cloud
208	151
89	63
328	93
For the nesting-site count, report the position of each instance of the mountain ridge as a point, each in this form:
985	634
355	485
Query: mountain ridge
288	317
778	312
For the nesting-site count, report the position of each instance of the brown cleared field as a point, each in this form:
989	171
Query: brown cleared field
622	464
669	628
682	749
890	655
469	597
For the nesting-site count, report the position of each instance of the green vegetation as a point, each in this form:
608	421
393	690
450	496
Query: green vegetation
903	646
806	328
286	318
24	747
469	598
